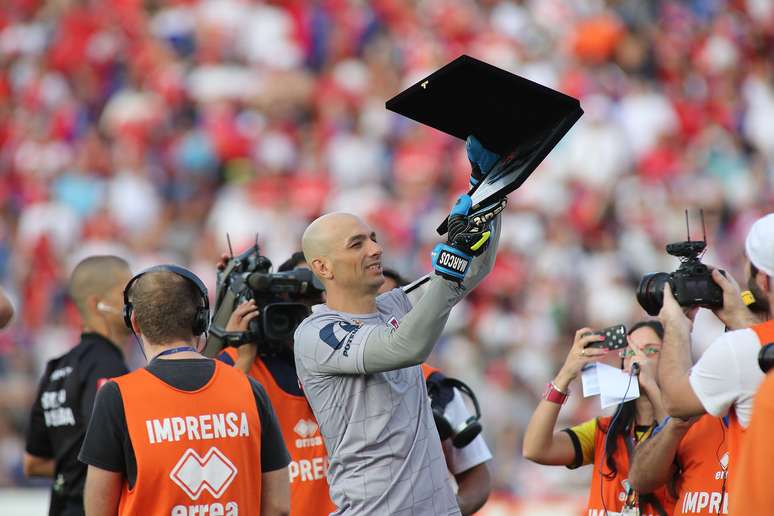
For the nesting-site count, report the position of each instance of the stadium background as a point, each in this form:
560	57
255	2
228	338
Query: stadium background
150	129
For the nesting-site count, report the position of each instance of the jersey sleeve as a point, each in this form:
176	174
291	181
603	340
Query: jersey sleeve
274	454
103	445
37	440
715	378
582	437
331	345
476	452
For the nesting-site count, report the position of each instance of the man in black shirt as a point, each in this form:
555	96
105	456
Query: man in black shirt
153	445
61	412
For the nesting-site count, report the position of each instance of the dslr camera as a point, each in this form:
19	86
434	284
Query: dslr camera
284	299
691	283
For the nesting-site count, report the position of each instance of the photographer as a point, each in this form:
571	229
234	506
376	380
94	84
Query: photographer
185	434
605	442
63	405
726	377
357	359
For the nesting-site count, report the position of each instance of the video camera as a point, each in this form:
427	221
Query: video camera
691	283
283	300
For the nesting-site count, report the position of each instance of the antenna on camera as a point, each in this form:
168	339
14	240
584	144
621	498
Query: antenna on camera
703	226
687	226
230	250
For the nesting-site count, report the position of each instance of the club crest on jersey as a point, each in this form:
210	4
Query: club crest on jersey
394	323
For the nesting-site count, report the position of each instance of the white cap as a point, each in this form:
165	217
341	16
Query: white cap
759	244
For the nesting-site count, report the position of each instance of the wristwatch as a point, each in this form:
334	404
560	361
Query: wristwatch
554	395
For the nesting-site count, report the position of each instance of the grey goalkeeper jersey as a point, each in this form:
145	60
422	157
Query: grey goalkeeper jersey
378	428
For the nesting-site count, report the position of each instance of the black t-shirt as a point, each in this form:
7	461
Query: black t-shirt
107	444
62	408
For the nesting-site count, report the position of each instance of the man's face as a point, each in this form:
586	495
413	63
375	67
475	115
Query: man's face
761	304
356	257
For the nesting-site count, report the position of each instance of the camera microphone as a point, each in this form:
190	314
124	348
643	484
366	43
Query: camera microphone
635	369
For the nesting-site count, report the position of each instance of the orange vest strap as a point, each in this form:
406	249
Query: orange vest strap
428	370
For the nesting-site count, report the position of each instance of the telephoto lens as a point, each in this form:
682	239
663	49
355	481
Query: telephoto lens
650	292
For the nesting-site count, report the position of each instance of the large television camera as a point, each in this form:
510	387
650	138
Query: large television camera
284	299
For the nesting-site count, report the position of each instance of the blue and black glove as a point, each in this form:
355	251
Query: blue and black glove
468	237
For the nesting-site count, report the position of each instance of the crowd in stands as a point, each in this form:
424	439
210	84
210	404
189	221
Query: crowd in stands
151	129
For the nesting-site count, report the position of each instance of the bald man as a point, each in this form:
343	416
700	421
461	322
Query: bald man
358	359
62	409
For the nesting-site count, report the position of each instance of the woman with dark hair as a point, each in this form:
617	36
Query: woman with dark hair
606	442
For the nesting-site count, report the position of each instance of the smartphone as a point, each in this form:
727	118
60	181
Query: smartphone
615	338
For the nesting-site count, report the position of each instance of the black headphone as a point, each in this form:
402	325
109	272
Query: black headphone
441	391
202	318
766	357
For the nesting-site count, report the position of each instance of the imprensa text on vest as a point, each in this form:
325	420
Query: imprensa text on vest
194	428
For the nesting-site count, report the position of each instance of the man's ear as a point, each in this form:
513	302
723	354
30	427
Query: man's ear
763	281
322	268
135	326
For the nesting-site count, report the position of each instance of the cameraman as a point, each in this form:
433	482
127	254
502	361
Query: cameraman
275	369
62	408
727	375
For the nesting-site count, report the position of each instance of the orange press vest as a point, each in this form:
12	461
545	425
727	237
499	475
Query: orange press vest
765	332
309	495
751	489
198	452
703	458
608	493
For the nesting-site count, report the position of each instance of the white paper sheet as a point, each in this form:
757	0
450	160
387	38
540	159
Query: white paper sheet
613	385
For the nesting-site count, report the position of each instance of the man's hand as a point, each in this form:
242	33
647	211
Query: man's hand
238	322
672	314
734	314
481	160
468	237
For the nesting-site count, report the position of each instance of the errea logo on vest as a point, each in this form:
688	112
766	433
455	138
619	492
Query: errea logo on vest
195	428
306	428
195	474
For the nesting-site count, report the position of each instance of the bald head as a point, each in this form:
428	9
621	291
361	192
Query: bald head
95	276
322	234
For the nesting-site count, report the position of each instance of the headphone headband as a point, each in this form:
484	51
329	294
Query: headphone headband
202	319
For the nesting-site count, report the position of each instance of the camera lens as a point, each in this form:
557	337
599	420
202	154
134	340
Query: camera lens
766	357
650	292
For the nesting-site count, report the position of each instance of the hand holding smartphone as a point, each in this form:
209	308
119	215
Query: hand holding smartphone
615	338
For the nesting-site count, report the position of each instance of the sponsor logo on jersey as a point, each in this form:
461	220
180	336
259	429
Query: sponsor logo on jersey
195	474
55	412
306	430
338	334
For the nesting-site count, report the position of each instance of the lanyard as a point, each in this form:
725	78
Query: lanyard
172	351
